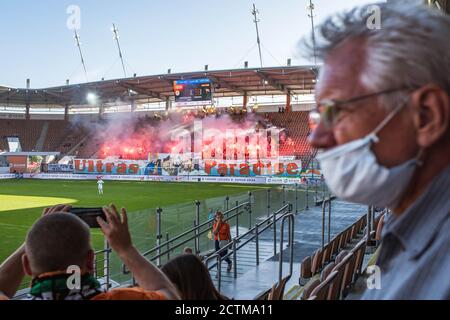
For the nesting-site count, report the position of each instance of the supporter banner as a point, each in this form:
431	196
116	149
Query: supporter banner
282	168
170	166
117	167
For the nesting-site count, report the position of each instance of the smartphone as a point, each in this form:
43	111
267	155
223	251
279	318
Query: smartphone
89	215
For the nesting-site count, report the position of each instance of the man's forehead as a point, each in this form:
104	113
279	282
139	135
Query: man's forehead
340	74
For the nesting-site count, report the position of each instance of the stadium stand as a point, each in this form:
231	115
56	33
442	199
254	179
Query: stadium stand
27	130
73	139
297	131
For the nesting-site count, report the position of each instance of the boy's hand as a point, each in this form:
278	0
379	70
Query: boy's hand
57	208
116	229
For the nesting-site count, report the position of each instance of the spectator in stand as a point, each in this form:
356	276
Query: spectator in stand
383	121
59	240
192	278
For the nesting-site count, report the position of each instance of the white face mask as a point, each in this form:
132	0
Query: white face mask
352	173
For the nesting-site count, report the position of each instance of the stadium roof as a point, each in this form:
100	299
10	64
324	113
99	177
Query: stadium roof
227	83
29	154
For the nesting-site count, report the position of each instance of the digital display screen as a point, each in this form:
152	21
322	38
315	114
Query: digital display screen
192	92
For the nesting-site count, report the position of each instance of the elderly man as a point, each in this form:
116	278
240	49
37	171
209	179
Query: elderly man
383	123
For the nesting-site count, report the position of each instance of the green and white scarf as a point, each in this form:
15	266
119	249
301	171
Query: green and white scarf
55	288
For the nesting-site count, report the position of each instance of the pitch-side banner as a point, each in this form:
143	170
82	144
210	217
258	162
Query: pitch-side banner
205	179
71	176
199	179
7	176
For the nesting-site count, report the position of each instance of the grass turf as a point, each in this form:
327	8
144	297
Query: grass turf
22	201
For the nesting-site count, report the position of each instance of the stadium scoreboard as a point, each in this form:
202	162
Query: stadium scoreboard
192	92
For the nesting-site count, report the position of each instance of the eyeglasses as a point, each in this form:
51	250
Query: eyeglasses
328	110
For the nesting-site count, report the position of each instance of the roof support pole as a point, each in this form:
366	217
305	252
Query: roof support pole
66	112
101	110
27	111
245	101
168	104
288	101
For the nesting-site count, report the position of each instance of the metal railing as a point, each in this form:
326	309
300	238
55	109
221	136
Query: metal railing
291	218
165	248
106	261
253	234
324	205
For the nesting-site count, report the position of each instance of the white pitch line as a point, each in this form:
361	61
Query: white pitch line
14	225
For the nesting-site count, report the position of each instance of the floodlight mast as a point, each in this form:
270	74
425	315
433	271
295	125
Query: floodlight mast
77	39
311	16
115	32
255	13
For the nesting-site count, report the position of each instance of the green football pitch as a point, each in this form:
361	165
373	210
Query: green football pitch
22	201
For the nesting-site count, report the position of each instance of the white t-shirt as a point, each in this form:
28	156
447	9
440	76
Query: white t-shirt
100	184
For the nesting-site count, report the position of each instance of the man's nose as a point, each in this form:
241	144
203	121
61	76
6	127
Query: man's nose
322	137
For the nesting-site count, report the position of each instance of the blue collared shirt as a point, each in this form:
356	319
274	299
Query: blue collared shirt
414	259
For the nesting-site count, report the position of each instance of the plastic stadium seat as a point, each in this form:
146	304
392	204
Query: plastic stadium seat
341	256
348	274
277	291
342	242
354	232
348	236
310	286
341	269
263	295
379	228
359	250
322	291
316	265
326	271
326	254
335	246
305	271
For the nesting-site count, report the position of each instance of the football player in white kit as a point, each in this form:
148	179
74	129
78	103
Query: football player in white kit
100	185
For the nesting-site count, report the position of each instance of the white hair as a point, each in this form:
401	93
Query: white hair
410	49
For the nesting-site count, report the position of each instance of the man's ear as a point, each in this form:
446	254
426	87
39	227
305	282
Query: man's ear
26	265
90	261
432	114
